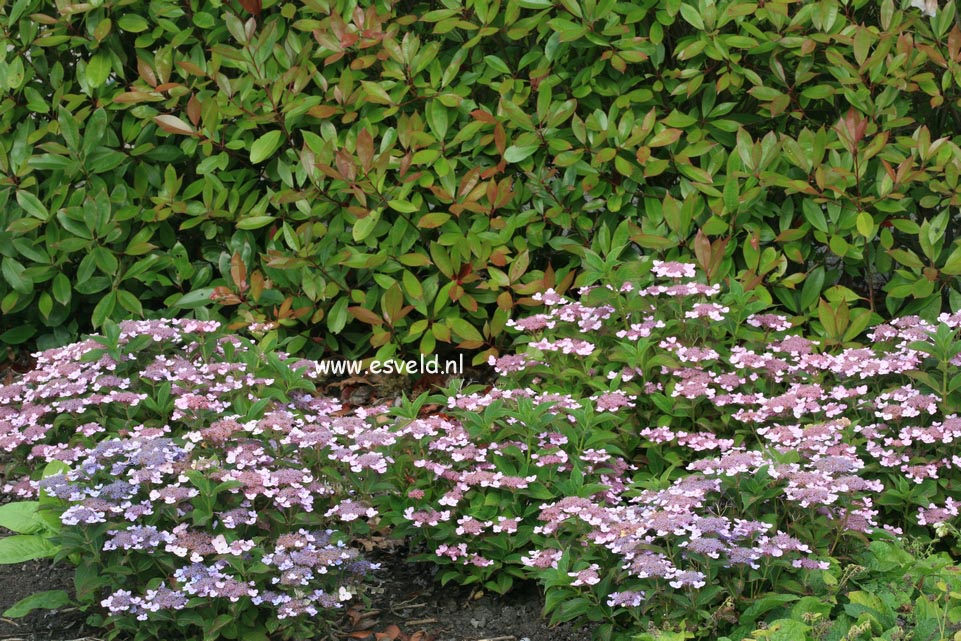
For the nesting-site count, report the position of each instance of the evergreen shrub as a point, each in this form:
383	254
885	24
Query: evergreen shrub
401	175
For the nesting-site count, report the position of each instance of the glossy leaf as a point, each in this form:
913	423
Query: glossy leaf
265	146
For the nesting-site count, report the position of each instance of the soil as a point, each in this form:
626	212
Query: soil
22	580
405	595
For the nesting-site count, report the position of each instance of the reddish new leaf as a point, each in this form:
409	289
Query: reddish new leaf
252	7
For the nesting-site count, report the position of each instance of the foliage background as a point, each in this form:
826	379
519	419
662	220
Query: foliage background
402	175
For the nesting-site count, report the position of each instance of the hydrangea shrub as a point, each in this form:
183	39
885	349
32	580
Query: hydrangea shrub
191	501
662	449
659	452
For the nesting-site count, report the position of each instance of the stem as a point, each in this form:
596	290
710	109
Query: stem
837	536
869	276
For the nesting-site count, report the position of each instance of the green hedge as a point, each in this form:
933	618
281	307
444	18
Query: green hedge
403	174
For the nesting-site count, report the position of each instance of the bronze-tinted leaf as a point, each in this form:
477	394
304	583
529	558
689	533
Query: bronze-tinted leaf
174	125
252	7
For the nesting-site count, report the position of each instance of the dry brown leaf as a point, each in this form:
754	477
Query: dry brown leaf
390	633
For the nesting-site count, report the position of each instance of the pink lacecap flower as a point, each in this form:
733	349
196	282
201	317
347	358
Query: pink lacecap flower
674	269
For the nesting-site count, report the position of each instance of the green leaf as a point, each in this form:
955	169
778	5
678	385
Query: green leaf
49	600
828	317
413	286
865	224
765	604
45	305
826	15
52	162
860	319
204	20
129	302
32	205
907	258
15	275
103	160
516	154
18	335
441	259
248	633
14	73
414	260
692	17
653	241
254	222
732	196
25	547
839	245
425	156
196	298
433	219
21	517
32	251
391	303
902	290
786	630
105	260
375	93
53	468
24	225
571	609
338	316
952	266
464	329
573	6
217	624
811	291
516	115
437	118
814	215
265	146
905	225
402	206
104	309
18	9
497	64
867	603
133	23
678	119
98	69
887	12
365	226
623	166
665	137
93	132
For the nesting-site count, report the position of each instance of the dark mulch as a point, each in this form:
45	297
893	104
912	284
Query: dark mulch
22	580
407	596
